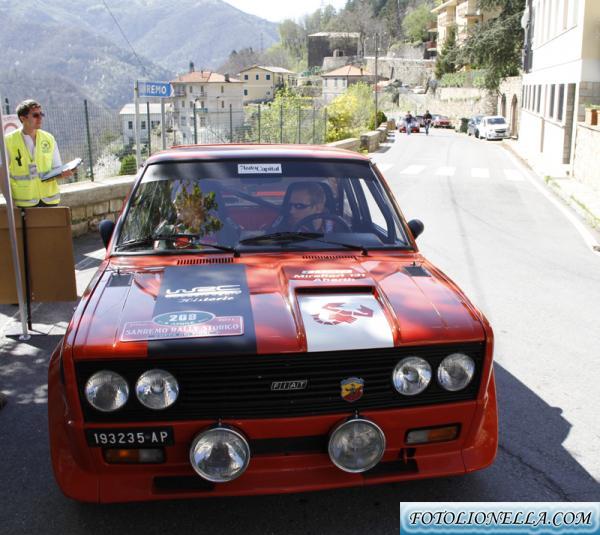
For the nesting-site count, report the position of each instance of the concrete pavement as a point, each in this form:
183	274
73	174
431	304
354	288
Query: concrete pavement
580	197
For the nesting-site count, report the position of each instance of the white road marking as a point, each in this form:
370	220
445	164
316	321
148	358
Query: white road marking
480	172
412	170
587	236
445	171
513	175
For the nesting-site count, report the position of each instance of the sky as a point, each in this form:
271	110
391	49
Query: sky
277	10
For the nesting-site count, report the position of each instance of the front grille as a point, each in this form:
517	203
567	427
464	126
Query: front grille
240	386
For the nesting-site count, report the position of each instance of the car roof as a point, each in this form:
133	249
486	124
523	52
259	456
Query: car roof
494	117
254	151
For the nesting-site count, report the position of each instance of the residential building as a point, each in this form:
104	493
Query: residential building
127	115
463	14
261	83
332	44
206	100
337	81
562	76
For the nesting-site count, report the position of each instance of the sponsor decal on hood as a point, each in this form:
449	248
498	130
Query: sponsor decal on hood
334	322
198	309
325	275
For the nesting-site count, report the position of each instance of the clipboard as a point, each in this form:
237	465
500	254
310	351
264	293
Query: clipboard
56	171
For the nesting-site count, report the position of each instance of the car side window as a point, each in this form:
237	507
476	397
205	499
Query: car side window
375	213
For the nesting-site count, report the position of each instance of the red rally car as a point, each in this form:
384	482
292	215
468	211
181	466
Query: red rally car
263	322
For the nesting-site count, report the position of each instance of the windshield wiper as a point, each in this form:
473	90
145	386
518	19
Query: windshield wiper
138	242
289	237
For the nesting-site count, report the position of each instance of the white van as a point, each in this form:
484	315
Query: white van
493	127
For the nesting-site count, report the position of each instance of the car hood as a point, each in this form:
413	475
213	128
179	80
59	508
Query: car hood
266	305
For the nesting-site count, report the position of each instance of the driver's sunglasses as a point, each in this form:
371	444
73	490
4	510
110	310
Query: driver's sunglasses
299	205
38	114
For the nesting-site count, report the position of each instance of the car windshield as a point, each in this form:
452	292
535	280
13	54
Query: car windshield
496	120
254	206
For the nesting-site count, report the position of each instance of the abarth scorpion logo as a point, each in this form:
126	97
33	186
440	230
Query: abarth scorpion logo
336	313
352	389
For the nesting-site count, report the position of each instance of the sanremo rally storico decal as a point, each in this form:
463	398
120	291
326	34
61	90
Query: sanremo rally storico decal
177	318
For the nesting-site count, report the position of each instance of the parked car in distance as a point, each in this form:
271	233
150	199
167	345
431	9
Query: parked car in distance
414	127
440	121
493	127
420	120
263	322
473	125
419	89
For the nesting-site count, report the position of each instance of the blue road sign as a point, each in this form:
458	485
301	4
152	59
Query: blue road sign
155	89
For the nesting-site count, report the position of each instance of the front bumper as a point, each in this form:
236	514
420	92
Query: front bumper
82	473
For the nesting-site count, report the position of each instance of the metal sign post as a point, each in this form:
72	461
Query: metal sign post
163	130
136	128
12	229
150	90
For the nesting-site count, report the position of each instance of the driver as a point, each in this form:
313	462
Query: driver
306	200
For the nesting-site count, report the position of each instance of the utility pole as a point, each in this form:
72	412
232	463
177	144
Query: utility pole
376	75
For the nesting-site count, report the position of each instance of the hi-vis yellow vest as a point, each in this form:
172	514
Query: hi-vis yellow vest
25	184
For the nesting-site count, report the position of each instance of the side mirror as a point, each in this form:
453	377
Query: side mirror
416	227
106	228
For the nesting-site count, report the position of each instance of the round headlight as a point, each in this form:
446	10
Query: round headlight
106	391
220	454
411	376
157	389
455	372
356	445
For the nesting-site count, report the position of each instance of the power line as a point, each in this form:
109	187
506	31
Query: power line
125	37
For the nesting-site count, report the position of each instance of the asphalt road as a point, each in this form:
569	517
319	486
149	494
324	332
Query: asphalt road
487	225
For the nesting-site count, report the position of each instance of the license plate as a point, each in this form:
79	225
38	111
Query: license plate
146	437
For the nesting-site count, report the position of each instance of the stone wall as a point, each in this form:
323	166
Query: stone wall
589	93
408	71
91	202
509	102
407	51
352	143
370	141
454	102
587	155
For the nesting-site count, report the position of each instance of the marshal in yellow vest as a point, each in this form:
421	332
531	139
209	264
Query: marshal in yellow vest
25	184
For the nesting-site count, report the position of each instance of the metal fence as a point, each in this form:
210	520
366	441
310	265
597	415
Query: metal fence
104	139
261	123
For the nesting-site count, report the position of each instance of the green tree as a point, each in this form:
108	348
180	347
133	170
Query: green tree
446	61
495	46
417	21
128	165
351	113
293	38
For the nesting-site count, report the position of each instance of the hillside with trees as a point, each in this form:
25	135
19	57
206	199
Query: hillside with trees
394	21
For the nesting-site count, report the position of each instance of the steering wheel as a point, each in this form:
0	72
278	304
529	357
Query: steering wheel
321	215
